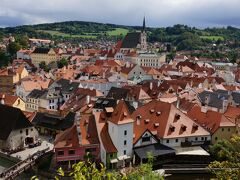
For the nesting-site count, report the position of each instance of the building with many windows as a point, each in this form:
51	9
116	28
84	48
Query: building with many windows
150	60
47	55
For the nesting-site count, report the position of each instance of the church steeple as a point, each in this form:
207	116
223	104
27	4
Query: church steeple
144	25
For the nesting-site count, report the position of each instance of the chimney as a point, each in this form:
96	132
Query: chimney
207	99
178	102
2	99
151	86
104	75
88	99
225	105
135	104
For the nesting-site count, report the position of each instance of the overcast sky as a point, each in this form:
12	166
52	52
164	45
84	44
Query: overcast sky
159	13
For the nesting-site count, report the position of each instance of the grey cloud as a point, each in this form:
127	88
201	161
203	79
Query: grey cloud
200	13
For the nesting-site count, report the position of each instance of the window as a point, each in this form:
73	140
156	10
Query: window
125	142
90	150
124	152
229	130
71	152
196	138
176	140
222	129
20	131
216	138
125	132
167	141
60	153
26	132
202	138
146	139
31	129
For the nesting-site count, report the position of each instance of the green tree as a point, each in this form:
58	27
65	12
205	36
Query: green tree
42	65
232	56
227	155
4	59
63	62
188	41
87	170
22	40
13	47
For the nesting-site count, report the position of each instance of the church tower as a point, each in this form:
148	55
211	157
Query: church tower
144	36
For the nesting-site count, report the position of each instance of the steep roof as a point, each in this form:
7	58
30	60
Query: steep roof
70	138
131	40
8	99
165	121
210	120
11	119
67	86
117	93
214	99
36	93
53	121
102	127
41	50
121	114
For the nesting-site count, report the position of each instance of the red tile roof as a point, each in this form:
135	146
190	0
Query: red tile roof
121	114
165	121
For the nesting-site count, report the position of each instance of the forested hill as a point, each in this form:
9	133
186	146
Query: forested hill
79	30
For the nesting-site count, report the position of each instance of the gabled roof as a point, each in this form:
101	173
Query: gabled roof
41	50
210	120
127	70
165	121
70	137
117	93
67	86
232	113
121	114
214	99
106	140
102	127
8	99
54	121
36	93
131	40
11	119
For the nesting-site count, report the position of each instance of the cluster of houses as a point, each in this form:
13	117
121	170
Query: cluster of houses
119	103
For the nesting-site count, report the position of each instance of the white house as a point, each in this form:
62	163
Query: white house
16	131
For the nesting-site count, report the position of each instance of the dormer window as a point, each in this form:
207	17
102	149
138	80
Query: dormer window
195	126
183	127
172	128
125	114
152	111
147	121
177	117
158	113
139	116
156	124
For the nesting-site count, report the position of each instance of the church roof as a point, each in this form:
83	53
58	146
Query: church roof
131	40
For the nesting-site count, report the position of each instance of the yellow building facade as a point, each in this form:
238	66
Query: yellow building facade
47	55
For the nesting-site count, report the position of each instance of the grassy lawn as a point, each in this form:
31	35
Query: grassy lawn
212	37
117	32
57	33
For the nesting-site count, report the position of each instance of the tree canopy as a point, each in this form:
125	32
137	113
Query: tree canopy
227	155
